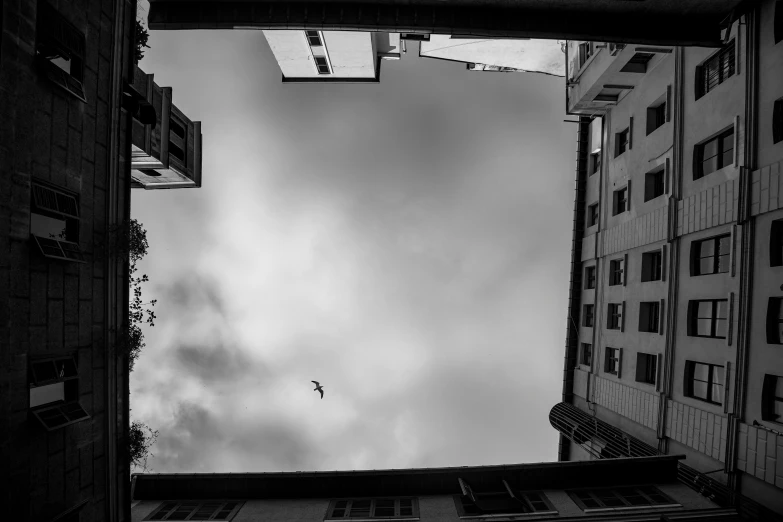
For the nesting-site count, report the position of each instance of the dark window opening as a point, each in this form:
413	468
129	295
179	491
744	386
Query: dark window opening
654	184
612	361
772	398
60	50
778	22
704	382
656	117
776	243
708	318
585	52
586	355
646	368
607	97
652	264
777	120
715	70
176	151
592	215
177	128
54	392
711	256
714	154
775	320
615	316
505	500
321	64
373	508
589	277
616	270
649	313
314	38
621	142
637	63
620	201
588	315
595	162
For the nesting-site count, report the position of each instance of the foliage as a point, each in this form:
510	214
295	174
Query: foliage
140	439
141	41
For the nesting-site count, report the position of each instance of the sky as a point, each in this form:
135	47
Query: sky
406	244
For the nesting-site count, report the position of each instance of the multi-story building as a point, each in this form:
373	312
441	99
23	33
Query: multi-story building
64	192
332	56
166	154
496	54
644	488
675	326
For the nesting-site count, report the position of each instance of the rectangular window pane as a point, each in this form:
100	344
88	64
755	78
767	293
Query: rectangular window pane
717	393
705	310
704	327
406	508
701	372
700	390
723	309
384	508
710	165
41	395
360	508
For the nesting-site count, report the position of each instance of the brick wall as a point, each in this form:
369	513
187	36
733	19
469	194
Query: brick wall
47	306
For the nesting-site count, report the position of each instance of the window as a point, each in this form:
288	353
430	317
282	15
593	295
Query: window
59	50
708	318
621	142
595	162
615	316
776	243
587	319
620	201
584	53
711	256
195	510
503	500
775	320
772	398
615	272
714	154
620	497
54	392
322	65
586	355
777	118
649	313
373	508
314	38
607	95
715	70
54	223
589	277
656	116
646	368
612	361
637	63
652	263
654	183
704	382
592	215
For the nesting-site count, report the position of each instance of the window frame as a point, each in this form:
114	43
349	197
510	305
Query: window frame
617	272
774	320
68	409
696	257
649	310
57	37
593	215
698	153
620	196
522	497
52	202
198	504
595	160
586	315
614	316
654	180
703	71
586	354
646	373
656	115
309	37
590	277
639	490
612	360
350	500
651	268
328	67
690	369
621	142
693	318
769	398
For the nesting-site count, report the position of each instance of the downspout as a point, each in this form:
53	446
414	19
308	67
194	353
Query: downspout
575	284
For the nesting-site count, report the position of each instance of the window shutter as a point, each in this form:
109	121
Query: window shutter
607	360
628	196
694	258
658	369
661	315
773	321
60	415
668	103
663	262
777	119
641	367
630	134
509	490
726	386
736	140
692	308
625	269
57	249
698	80
730	319
732	250
622	318
768	398
620	362
466	490
46	198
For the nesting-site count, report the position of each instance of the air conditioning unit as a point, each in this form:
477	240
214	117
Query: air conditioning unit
615	48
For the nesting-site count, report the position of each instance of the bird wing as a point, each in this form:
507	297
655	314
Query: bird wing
315	382
322	393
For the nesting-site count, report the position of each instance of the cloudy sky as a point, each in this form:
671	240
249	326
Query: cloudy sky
406	244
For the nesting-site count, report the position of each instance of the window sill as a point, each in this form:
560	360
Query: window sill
631	508
508	515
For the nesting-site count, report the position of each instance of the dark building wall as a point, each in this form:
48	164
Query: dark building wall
50	307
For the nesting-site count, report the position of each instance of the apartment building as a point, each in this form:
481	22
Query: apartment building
332	56
166	153
644	488
675	326
64	192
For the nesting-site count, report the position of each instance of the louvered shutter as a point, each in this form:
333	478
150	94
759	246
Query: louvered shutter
46	198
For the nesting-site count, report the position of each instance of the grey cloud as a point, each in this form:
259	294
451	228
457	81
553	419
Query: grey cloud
217	362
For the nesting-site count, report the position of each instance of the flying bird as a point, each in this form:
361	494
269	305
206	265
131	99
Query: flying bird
319	388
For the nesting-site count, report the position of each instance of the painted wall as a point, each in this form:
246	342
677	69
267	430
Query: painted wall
770	84
351	54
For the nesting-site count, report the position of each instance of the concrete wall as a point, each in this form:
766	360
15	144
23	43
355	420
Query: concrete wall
770	85
350	54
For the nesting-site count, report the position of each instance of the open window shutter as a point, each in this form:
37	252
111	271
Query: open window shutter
661	315
641	367
466	490
726	386
666	178
698	80
777	117
732	249
622	318
630	134
736	140
694	258
730	319
658	369
59	415
619	363
773	315
625	269
628	197
668	103
52	200
57	249
663	262
768	397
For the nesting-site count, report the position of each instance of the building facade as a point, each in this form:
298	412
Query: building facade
64	192
675	326
622	489
332	56
167	154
